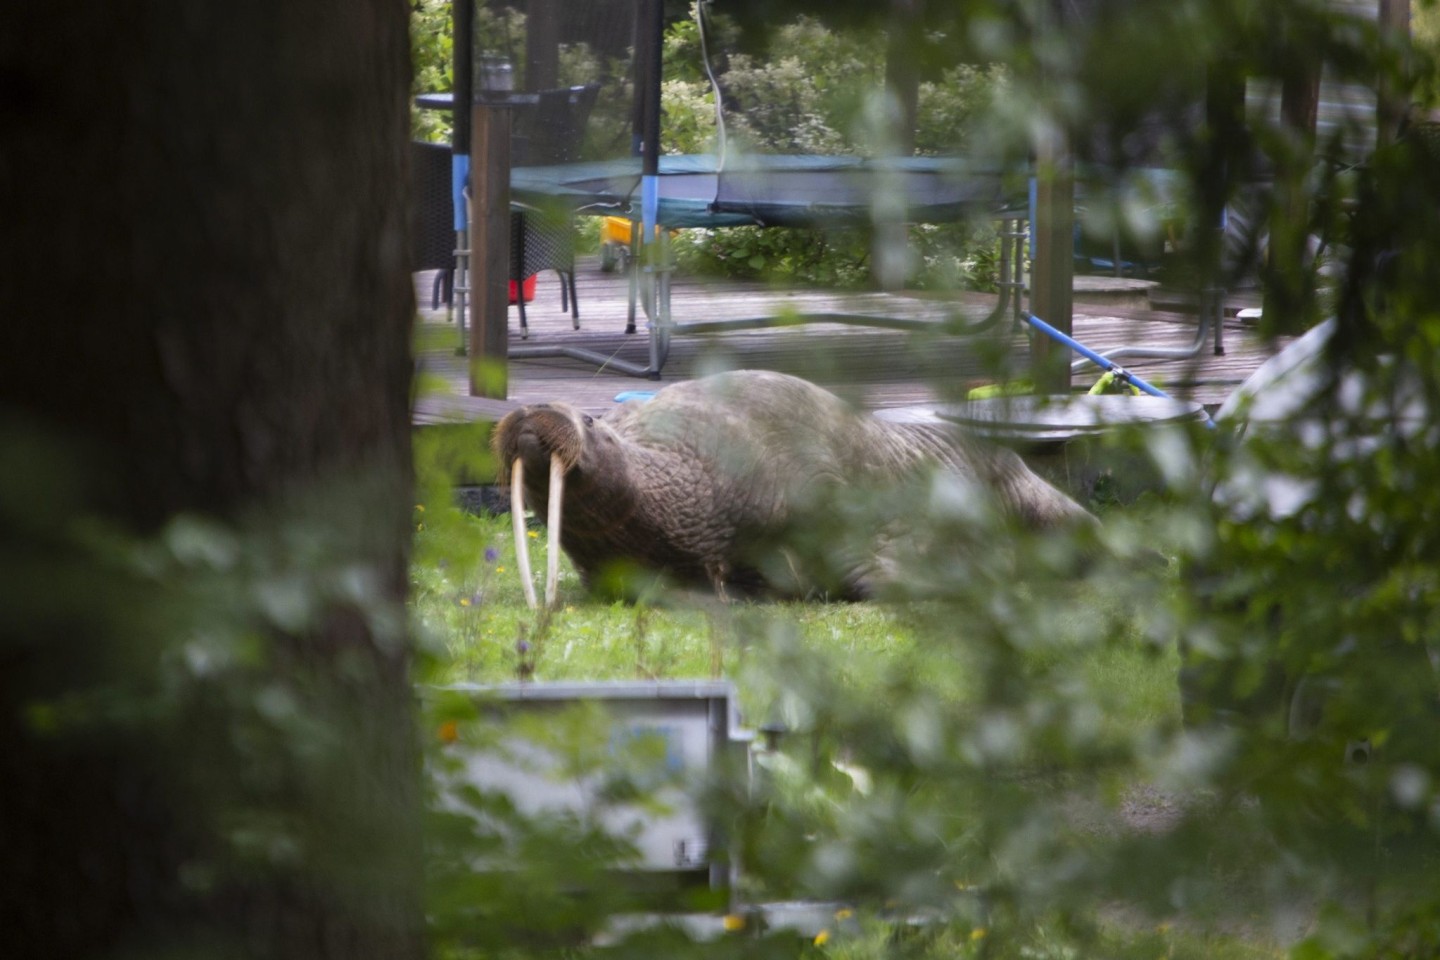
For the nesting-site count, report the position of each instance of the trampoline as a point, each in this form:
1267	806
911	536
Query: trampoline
612	163
774	190
614	166
767	190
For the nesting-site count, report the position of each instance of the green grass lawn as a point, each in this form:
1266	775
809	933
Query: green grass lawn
468	604
836	668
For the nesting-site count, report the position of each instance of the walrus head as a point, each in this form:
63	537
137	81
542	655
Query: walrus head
531	438
548	433
539	432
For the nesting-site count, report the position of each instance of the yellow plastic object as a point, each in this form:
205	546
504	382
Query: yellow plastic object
1109	383
1010	388
614	243
615	230
615	233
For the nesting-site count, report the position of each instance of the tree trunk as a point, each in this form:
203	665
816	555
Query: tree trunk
1288	297
902	70
1391	106
206	731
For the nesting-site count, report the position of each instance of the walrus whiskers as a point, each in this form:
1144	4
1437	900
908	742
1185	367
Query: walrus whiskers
517	524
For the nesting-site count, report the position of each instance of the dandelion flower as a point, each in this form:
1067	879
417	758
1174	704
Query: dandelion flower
822	938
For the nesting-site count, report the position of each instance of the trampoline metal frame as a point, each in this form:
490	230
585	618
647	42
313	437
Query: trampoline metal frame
650	292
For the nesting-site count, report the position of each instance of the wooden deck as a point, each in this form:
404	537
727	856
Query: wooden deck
873	367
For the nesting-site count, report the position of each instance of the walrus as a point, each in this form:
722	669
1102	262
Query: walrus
702	482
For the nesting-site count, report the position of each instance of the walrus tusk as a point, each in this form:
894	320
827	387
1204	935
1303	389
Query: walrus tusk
552	529
517	523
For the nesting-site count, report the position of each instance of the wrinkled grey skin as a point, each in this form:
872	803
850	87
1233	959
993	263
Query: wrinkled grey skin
703	482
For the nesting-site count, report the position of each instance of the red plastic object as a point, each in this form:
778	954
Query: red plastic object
529	289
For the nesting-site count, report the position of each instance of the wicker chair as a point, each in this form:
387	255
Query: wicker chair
539	240
432	218
543	240
552	132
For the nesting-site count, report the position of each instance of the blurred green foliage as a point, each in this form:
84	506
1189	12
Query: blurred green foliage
987	768
432	65
816	91
225	689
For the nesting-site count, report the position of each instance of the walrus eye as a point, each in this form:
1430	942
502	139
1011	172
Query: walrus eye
589	420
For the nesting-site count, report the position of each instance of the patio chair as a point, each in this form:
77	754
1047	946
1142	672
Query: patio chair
432	221
538	240
552	132
543	239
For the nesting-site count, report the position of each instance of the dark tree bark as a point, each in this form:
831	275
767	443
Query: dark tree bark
1393	18
1288	298
206	738
904	34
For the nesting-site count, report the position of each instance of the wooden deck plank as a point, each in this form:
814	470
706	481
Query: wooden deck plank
873	367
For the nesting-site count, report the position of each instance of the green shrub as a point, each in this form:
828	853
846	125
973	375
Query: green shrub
431	56
948	108
809	256
817	93
689	109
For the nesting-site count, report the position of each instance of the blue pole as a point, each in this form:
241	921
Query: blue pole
652	14
459	179
1100	360
649	207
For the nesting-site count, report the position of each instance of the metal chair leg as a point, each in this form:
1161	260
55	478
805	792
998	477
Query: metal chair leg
568	280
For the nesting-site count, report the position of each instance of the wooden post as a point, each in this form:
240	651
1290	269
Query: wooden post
489	249
904	33
1390	105
890	241
1288	298
1052	232
1052	275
